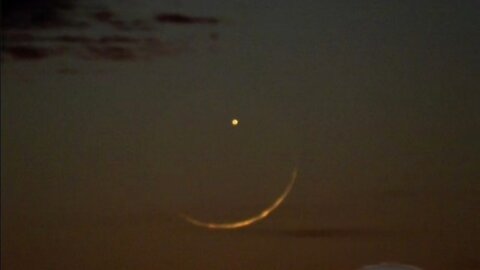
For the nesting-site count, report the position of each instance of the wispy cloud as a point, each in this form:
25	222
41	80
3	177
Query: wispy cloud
175	18
27	52
39	14
35	30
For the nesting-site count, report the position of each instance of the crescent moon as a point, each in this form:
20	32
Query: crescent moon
249	221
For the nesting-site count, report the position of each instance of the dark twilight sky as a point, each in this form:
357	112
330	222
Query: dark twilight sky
116	116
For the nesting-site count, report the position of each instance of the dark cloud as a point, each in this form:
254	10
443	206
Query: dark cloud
73	39
175	18
108	17
25	22
30	52
38	14
98	41
110	47
15	38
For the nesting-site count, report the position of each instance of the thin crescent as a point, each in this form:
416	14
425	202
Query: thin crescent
249	221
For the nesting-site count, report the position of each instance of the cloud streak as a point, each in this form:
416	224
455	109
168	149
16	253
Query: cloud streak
31	52
175	18
36	30
39	14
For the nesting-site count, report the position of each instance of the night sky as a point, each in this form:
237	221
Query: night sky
116	117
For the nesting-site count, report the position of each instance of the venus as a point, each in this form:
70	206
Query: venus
248	221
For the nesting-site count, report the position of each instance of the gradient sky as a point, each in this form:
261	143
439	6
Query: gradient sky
115	116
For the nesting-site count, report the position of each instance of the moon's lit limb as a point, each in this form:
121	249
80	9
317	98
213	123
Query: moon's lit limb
247	222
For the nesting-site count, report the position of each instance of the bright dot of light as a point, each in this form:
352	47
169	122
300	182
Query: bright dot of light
234	122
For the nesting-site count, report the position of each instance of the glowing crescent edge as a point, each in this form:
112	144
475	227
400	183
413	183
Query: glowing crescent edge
249	221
